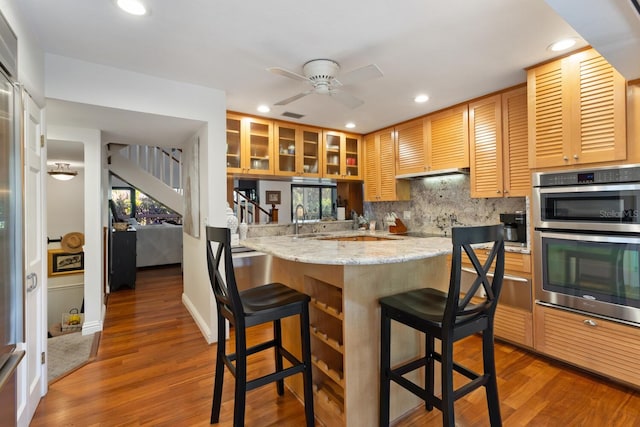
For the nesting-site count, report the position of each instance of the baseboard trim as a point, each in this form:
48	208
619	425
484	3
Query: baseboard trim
200	322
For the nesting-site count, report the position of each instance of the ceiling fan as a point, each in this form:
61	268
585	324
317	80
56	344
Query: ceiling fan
322	75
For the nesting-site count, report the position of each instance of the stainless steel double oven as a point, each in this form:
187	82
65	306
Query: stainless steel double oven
586	241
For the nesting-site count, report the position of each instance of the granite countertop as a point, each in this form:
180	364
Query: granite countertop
316	249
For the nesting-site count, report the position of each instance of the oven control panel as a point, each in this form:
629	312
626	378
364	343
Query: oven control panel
619	174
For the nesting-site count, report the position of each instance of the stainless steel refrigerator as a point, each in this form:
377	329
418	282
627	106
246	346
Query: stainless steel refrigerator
11	268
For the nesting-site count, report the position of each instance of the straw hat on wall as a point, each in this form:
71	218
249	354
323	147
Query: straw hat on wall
72	242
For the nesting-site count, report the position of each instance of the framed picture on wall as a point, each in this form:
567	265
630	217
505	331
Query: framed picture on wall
273	197
61	263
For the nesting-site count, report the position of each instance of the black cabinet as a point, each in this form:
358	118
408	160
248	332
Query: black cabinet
123	259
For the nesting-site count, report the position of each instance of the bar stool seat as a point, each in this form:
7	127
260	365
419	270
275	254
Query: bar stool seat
448	317
267	303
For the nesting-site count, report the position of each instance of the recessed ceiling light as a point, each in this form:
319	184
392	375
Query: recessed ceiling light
421	98
561	45
134	7
350	125
264	108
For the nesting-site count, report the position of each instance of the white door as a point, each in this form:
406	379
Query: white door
33	374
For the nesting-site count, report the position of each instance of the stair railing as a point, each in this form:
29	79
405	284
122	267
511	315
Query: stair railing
163	163
248	209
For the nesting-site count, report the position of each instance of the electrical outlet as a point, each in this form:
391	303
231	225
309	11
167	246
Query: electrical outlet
406	215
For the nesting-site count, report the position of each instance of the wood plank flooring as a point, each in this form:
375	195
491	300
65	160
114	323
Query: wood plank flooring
154	368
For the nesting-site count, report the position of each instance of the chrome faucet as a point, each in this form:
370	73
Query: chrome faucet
296	214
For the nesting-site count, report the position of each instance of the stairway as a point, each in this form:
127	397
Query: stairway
156	171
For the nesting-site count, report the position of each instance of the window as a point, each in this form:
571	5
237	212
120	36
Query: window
132	203
318	201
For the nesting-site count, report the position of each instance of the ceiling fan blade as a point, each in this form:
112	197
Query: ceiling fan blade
346	99
362	74
293	98
287	73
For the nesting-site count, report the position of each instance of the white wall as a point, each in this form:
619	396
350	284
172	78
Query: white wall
79	81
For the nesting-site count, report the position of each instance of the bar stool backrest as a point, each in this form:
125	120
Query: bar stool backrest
489	276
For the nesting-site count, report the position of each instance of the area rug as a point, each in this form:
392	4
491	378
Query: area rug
68	352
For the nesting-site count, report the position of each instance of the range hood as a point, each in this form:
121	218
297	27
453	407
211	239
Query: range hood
425	174
612	27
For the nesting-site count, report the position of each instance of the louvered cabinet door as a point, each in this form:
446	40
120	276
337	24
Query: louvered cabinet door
548	102
515	146
448	139
411	155
387	173
577	112
371	169
600	133
485	140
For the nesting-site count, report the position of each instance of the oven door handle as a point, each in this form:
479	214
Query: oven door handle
588	188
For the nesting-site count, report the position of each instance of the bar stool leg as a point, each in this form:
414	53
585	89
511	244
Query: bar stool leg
385	366
491	388
241	377
219	375
429	370
448	416
277	336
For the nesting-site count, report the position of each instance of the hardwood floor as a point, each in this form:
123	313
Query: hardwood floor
153	367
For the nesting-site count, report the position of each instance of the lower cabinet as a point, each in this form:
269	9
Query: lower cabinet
604	347
513	325
123	260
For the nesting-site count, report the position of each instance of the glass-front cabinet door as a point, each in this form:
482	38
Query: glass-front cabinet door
234	144
342	156
259	145
249	145
298	150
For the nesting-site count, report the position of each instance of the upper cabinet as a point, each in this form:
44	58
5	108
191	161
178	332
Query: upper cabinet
380	183
576	112
249	145
342	155
298	150
499	145
432	143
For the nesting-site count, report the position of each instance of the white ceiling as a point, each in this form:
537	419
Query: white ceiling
452	50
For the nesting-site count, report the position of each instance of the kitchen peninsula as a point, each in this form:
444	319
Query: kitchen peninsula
345	273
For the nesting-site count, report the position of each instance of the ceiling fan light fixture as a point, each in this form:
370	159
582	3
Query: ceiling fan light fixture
62	172
133	7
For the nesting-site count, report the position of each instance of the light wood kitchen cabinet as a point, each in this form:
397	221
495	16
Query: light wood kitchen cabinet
576	112
604	347
342	156
498	145
380	183
297	150
249	145
435	142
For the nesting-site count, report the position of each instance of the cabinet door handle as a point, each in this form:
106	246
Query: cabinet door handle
565	158
590	322
575	156
33	277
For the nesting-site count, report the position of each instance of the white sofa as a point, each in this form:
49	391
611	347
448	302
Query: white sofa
158	244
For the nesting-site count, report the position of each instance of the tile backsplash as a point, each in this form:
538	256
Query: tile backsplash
440	202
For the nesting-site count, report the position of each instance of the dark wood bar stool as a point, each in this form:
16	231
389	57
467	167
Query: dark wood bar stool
268	303
448	317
